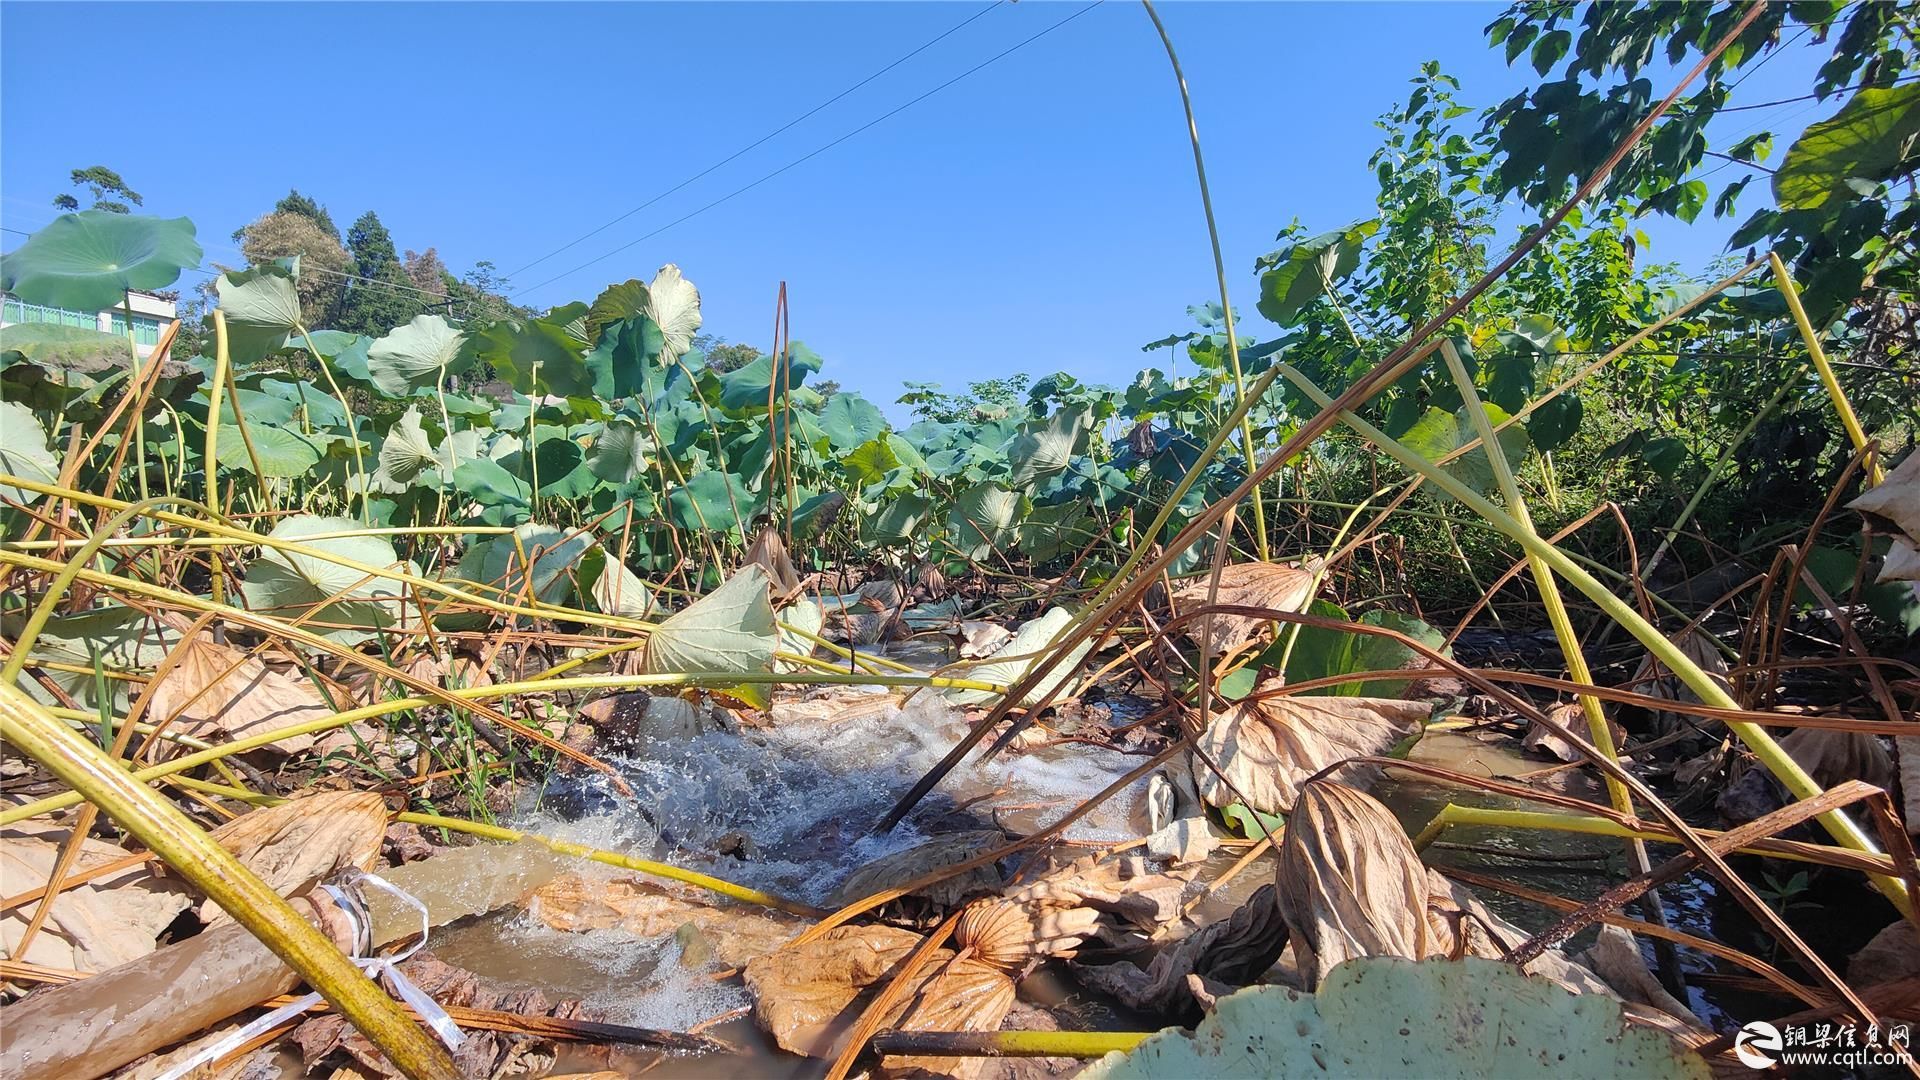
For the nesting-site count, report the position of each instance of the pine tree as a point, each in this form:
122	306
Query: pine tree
380	296
306	207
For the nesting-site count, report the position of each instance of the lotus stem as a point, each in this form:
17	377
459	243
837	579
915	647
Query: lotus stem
214	871
535	610
1220	276
1077	1044
1791	293
1776	760
1454	814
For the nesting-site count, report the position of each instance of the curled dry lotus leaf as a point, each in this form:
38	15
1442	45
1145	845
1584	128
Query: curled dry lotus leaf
1654	680
1441	1019
801	993
891	871
1351	885
298	844
1235	950
1896	498
1007	933
1269	747
1282	586
961	995
1571	716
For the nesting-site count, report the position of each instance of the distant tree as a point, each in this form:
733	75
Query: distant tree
107	188
323	262
826	388
295	203
481	296
984	399
426	271
379	296
724	356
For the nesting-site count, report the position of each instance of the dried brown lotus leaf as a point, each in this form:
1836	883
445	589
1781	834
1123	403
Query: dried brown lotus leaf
962	995
644	909
298	844
1350	882
1282	586
221	694
1146	902
1269	747
1570	715
1005	934
92	927
804	995
1234	951
890	871
1896	498
1351	885
1654	680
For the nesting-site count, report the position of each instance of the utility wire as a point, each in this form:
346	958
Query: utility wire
816	153
757	142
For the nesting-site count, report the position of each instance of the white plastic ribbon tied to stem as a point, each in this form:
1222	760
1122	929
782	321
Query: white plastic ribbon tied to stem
381	969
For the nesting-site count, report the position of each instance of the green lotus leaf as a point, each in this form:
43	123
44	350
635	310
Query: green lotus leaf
1387	1016
710	500
746	388
283	452
982	520
88	261
617	590
24	452
1870	139
1050	531
539	356
1300	273
289	585
850	420
416	355
674	305
407	450
900	518
870	462
797	621
121	637
484	481
627	361
615	302
535	560
1043	449
1438	433
730	629
262	309
62	346
619	454
1034	639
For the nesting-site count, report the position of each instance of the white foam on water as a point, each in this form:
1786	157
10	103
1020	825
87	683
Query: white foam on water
805	795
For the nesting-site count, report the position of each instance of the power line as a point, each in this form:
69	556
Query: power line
816	153
757	142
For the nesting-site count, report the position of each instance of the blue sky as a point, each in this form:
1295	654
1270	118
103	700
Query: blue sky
1039	215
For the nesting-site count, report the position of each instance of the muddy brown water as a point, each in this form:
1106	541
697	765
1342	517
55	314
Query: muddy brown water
804	796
